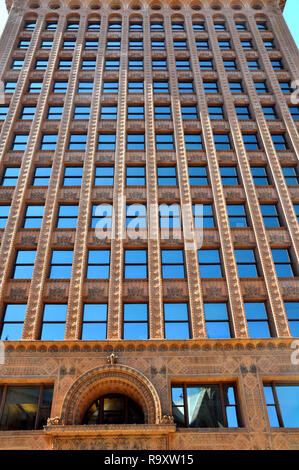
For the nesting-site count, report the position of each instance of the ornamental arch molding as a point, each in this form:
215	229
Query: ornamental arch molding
110	379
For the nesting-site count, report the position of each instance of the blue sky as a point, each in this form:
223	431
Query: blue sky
291	14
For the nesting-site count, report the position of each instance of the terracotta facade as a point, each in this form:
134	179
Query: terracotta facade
82	370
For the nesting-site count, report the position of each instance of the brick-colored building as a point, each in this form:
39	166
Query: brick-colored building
157	338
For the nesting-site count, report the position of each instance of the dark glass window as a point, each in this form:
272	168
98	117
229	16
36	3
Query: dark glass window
282	404
269	45
89	45
53	325
241	26
134	44
135	325
217	321
113	45
114	26
29	25
69	44
136	26
94	323
219	26
11	324
177	26
51	25
176	321
198	26
25	407
262	26
205	405
158	45
157	25
114	409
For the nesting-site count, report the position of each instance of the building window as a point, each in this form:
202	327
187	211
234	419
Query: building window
136	216
98	264
210	87
296	208
23	266
259	175
253	64
291	175
29	25
104	176
72	26
135	112
185	87
247	45
135	324
198	176
135	176
23	44
135	64
261	87
112	64
85	87
159	65
11	325
114	409
246	263
285	87
261	26
136	26
229	175
65	65
294	110
67	216
279	142
110	87
58	87
209	263
240	26
173	264
205	405
277	64
222	142
282	404
236	87
158	45
61	264
108	112
135	264
251	142
94	26
170	216
157	25
81	112
94	323
220	26
216	112
292	311
224	45
135	87
48	142
167	176
269	45
243	112
113	45
55	112
10	176
282	262
136	45
207	219
257	320
72	176
269	112
236	215
101	216
189	112
202	45
10	87
162	112
182	64
25	407
41	64
51	26
3	112
33	216
77	142
193	142
53	325
177	26
17	64
217	321
270	215
90	45
88	65
230	65
114	26
164	142
198	26
41	176
69	45
19	142
135	142
4	212
206	64
176	321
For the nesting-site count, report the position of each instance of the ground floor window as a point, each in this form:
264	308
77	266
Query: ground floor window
114	409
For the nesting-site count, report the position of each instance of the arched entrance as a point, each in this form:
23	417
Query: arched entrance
106	381
114	408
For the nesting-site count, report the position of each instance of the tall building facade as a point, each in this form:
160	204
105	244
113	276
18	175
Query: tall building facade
149	205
